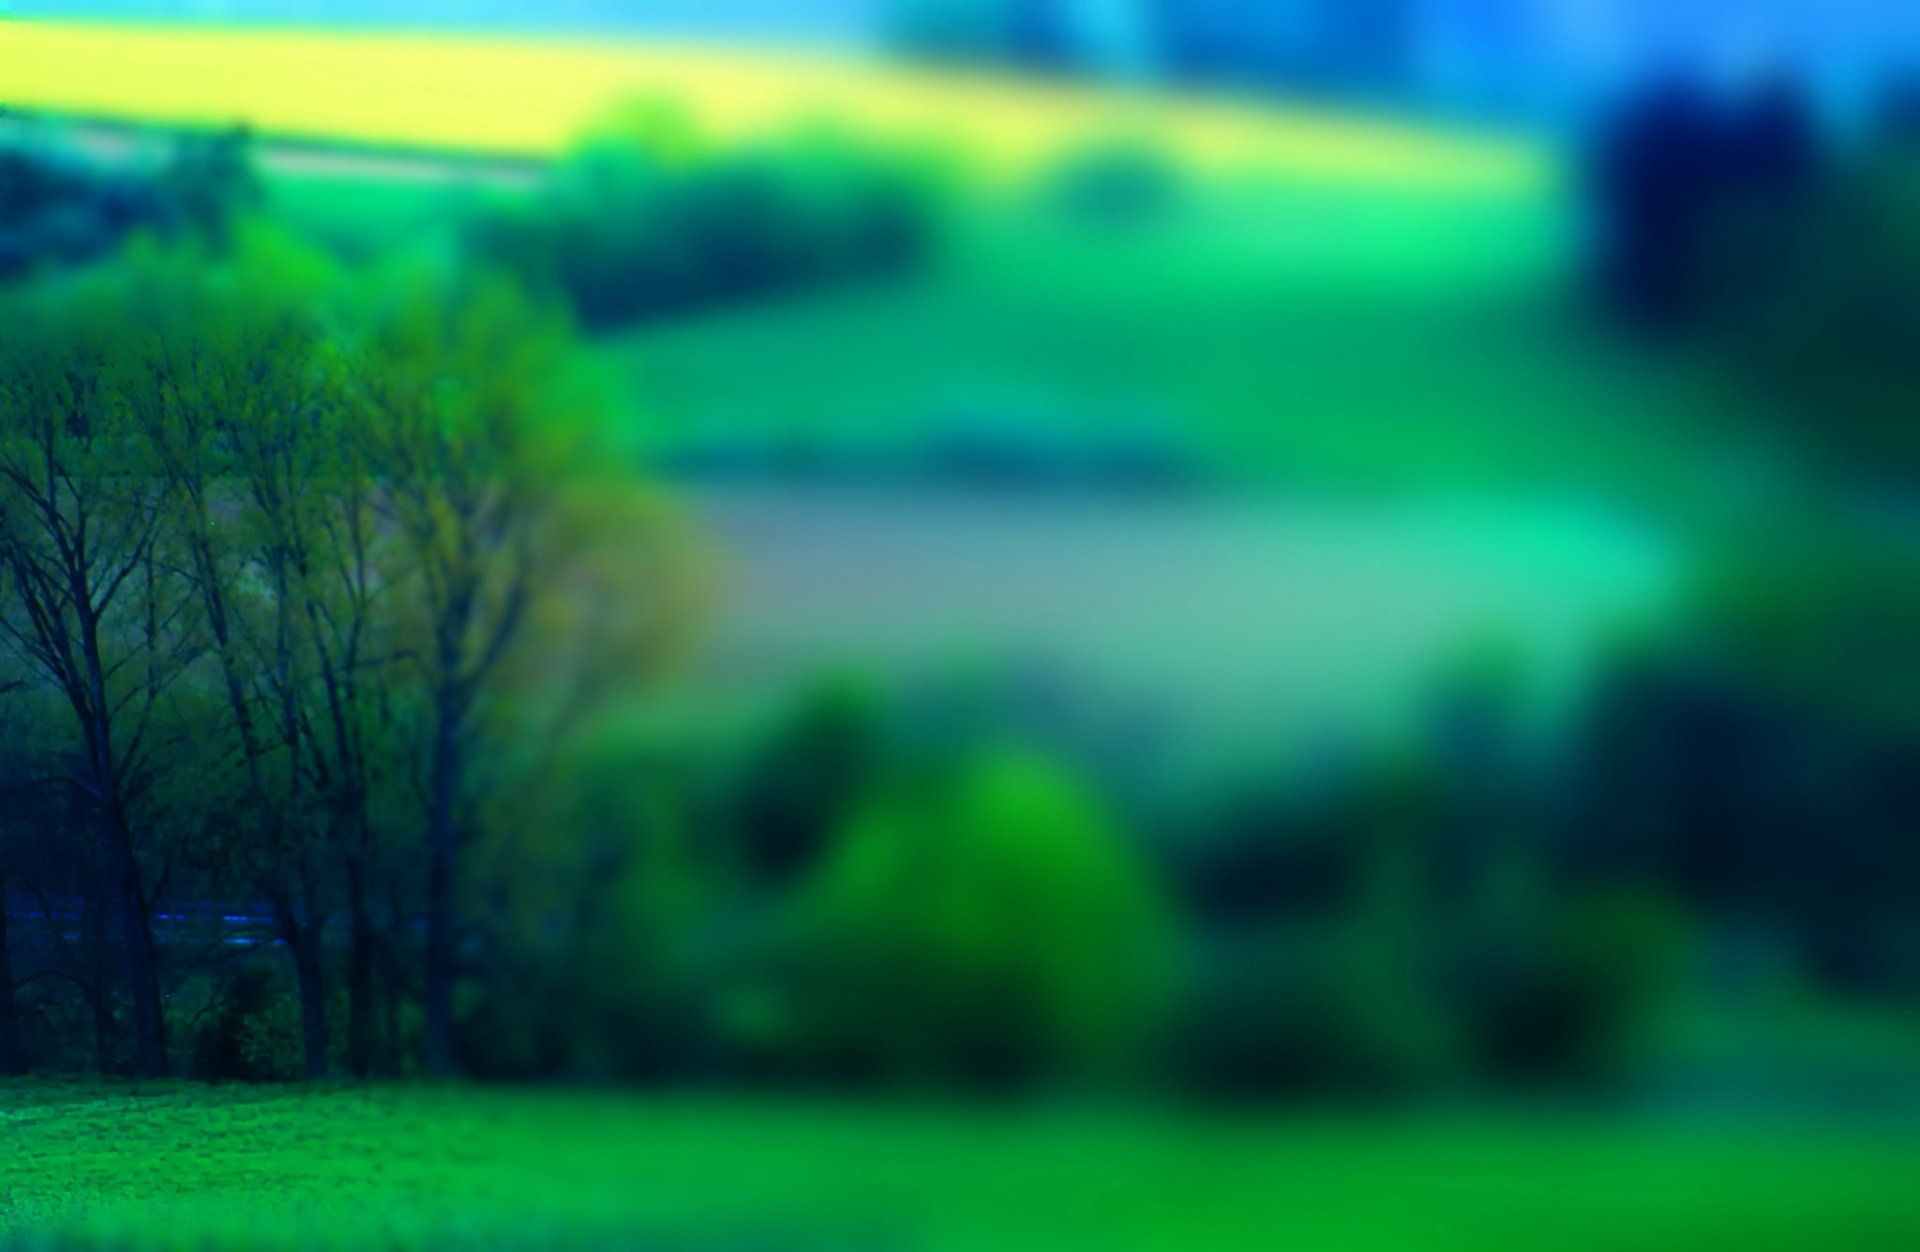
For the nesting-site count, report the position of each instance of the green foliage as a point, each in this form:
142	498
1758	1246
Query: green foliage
1763	761
800	786
58	209
1117	184
629	233
988	925
209	182
250	1030
1570	998
1827	615
1303	1017
1816	313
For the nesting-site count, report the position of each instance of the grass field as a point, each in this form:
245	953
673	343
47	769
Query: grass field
1288	339
534	97
392	1168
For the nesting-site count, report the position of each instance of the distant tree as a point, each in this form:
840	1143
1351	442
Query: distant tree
1654	183
59	208
630	230
208	184
1698	199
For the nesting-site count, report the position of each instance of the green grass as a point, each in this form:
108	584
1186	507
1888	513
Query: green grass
1282	338
407	1168
362	218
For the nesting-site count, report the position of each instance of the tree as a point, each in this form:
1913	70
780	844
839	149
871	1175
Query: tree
459	383
1697	200
93	611
226	386
12	1056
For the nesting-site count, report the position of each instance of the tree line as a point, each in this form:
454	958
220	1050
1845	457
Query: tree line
271	545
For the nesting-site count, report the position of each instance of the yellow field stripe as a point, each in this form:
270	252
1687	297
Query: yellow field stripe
527	97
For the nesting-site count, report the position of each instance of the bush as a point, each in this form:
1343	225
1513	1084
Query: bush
1306	1017
1116	184
57	209
1565	1000
801	785
1763	766
1826	339
627	233
252	1031
591	966
986	927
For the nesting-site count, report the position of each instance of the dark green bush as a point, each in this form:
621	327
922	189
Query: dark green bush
592	966
252	1033
799	787
627	233
1824	333
59	209
1564	1000
1306	1017
1116	184
1763	766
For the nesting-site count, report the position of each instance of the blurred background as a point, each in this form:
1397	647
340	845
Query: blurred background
1265	555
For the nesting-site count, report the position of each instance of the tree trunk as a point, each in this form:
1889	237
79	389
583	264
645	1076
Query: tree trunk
302	940
308	970
141	955
437	1042
391	947
11	1060
96	934
360	942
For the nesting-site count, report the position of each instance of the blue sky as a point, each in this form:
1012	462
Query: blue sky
1515	41
809	20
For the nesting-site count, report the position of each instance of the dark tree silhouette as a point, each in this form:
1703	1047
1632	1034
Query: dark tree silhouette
1696	199
1653	178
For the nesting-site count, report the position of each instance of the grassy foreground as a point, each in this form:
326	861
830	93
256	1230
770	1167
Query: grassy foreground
410	1168
534	97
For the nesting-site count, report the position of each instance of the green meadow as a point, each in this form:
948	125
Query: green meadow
409	1168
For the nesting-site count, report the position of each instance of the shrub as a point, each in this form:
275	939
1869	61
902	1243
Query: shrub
1306	1016
252	1031
1825	339
1763	766
627	232
987	926
801	784
590	968
57	209
1566	999
1116	184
